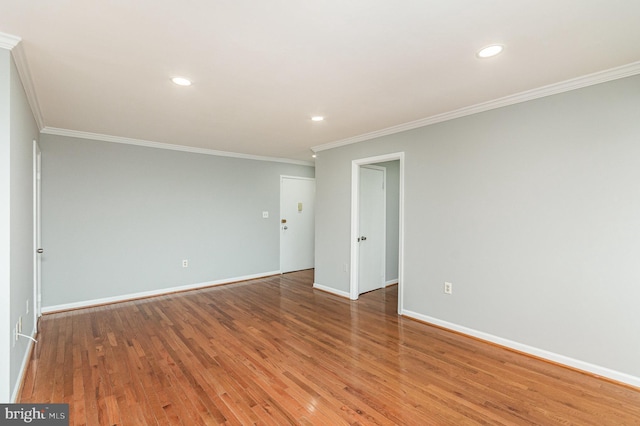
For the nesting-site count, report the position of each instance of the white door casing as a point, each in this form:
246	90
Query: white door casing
355	218
297	233
372	221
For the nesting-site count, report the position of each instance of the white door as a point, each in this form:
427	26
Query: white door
297	223
37	245
372	229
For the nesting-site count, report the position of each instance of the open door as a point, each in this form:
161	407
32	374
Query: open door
37	245
372	239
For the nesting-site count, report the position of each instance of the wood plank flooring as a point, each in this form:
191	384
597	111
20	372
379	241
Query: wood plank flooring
274	351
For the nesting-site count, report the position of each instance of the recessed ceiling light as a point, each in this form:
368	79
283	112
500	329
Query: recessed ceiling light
181	81
317	118
490	51
313	156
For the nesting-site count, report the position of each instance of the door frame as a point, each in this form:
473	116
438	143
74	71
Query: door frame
280	214
37	241
355	220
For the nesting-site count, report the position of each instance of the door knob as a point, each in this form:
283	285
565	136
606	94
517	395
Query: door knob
285	228
40	251
363	238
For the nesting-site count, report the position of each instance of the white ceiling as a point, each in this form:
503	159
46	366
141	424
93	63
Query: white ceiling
261	69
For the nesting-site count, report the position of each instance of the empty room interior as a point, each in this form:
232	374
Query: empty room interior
420	213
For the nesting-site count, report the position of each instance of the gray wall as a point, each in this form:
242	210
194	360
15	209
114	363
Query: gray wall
119	219
532	211
17	132
5	227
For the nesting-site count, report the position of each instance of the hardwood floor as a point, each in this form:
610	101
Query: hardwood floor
274	351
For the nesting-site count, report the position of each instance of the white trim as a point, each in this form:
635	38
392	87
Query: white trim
161	145
23	369
390	282
540	92
14	44
22	66
331	290
8	41
540	353
297	177
145	294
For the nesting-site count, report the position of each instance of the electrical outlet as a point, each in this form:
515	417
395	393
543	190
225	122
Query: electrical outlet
345	267
265	215
448	288
185	263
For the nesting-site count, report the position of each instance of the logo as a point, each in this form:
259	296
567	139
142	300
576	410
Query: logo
34	414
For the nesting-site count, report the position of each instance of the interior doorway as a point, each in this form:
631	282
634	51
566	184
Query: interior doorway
358	213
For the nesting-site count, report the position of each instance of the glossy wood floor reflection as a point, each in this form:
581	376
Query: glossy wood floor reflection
274	351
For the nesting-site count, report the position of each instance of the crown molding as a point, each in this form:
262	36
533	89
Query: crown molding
14	44
549	90
160	145
25	76
8	41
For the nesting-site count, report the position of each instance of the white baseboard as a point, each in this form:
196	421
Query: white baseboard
23	369
144	294
391	282
540	353
332	290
